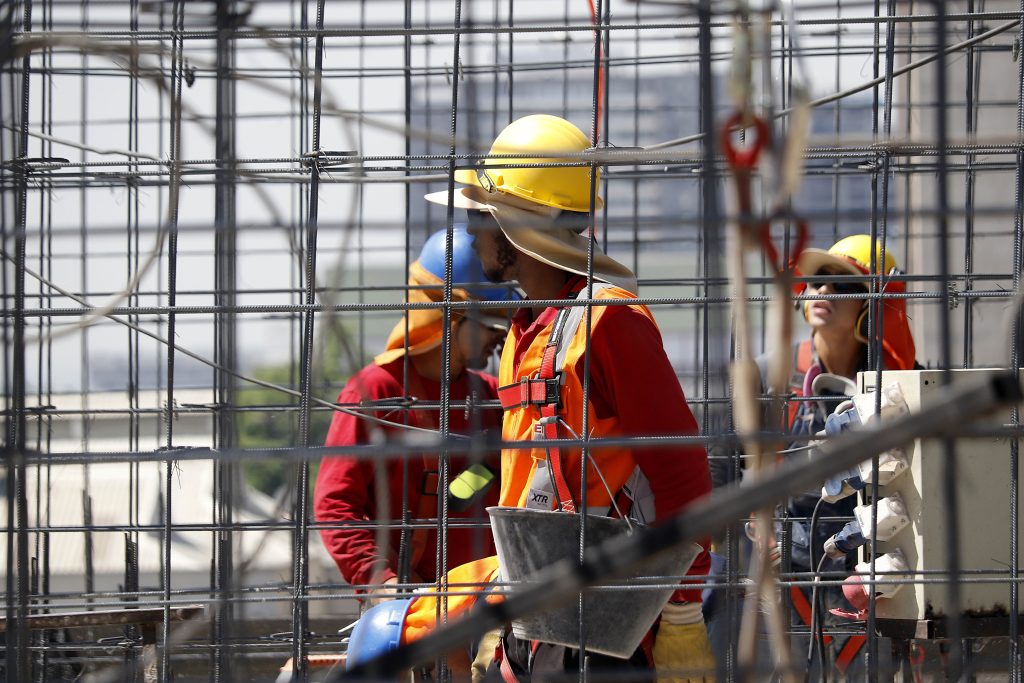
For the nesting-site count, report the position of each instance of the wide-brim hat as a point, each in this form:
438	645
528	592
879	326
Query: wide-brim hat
421	330
532	230
812	261
853	255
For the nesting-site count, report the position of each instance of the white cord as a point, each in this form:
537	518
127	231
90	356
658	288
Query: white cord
233	373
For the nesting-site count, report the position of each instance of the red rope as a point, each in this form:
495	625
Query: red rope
600	73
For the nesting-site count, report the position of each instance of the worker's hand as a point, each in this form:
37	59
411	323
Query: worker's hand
682	654
387	591
774	552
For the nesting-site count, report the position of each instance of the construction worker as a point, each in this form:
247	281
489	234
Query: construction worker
827	364
531	226
838	349
410	371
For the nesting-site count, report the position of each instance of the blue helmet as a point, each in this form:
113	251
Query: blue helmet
466	267
379	630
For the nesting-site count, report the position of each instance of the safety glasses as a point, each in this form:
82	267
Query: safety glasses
838	287
480	219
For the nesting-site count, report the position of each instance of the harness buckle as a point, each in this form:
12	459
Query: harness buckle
551	389
526	385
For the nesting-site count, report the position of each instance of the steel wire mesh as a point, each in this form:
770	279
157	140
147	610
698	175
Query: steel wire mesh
208	211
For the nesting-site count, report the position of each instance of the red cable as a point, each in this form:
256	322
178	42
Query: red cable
600	73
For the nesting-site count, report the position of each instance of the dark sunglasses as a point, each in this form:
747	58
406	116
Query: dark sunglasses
839	287
480	219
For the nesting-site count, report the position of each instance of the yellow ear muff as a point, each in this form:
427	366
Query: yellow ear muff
860	330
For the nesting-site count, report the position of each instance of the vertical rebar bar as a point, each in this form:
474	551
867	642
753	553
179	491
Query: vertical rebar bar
8	89
1016	663
19	657
300	548
711	239
595	131
879	228
405	538
167	501
446	345
971	87
949	464
225	248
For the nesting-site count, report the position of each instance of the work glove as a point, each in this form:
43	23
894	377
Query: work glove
682	654
485	654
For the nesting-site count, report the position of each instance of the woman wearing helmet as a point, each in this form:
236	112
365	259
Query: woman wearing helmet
840	327
410	369
842	322
827	364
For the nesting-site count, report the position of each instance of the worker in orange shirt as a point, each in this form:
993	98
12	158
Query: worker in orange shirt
531	226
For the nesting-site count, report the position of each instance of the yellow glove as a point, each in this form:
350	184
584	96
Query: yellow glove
682	654
485	655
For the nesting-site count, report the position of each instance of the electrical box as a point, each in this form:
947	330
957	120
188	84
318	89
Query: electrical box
984	484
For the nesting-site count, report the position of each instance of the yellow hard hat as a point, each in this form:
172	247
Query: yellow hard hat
851	254
560	187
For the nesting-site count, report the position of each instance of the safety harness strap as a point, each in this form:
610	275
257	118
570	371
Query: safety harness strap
542	390
803	359
547	426
850	648
803	607
528	392
507	675
572	322
849	652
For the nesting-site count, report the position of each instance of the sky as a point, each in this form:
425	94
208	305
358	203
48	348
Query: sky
268	128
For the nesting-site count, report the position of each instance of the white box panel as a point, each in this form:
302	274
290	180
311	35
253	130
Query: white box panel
983	489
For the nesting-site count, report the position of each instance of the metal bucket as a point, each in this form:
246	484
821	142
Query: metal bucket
616	620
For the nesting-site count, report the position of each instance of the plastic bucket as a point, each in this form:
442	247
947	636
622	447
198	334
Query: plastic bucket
616	620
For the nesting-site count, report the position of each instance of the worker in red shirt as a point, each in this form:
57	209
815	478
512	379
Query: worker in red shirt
347	498
530	225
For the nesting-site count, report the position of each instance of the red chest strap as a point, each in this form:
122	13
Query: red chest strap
547	426
542	391
528	392
542	388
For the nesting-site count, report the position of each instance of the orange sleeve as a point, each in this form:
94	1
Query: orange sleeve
470	578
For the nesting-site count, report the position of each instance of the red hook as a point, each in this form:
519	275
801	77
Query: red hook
746	157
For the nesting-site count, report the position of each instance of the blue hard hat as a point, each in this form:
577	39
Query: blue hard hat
378	631
466	267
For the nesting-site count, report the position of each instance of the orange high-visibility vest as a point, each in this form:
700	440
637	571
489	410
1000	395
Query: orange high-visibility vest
519	465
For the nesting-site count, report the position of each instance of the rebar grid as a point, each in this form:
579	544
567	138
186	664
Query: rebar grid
208	212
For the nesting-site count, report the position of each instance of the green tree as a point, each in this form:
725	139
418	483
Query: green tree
269	418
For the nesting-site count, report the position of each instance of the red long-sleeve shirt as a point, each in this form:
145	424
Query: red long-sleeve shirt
632	379
345	486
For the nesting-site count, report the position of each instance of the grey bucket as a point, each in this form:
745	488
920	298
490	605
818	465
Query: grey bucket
528	541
